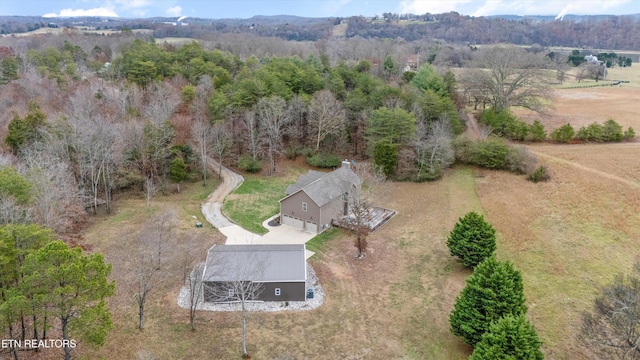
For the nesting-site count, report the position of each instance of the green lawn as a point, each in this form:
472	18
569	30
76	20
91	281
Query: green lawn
256	199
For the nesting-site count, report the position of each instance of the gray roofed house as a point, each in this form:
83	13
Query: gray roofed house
317	199
281	269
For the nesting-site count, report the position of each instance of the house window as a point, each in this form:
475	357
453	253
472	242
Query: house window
277	291
231	293
304	206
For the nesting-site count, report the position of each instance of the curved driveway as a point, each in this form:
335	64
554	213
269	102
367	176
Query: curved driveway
211	209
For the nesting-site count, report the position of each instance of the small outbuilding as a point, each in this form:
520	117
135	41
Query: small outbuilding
265	272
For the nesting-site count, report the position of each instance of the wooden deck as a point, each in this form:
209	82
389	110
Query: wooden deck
376	219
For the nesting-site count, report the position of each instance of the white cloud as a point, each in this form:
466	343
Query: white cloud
101	11
174	11
430	6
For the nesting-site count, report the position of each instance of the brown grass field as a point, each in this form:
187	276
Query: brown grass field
567	236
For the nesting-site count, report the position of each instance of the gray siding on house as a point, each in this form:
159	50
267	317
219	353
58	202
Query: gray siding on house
289	291
324	194
332	211
292	206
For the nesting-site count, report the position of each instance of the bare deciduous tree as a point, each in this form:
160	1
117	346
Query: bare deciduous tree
326	115
201	134
433	145
247	287
612	330
57	203
253	133
360	202
194	281
147	260
220	143
163	101
274	117
510	76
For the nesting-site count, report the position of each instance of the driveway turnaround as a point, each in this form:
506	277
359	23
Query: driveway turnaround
235	234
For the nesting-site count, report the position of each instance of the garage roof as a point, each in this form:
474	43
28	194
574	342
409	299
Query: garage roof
261	263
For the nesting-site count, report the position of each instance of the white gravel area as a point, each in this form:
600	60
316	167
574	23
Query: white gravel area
309	304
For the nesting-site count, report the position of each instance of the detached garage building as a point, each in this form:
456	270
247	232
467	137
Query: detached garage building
318	198
280	269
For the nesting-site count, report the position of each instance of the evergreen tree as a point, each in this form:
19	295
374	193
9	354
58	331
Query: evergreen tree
73	288
494	290
178	171
472	239
537	132
8	69
25	131
511	337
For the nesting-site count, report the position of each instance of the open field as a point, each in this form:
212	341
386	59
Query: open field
581	107
567	236
81	30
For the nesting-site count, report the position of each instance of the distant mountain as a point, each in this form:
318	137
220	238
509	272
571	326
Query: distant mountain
568	17
577	31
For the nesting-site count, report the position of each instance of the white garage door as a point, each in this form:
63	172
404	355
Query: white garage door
291	221
311	227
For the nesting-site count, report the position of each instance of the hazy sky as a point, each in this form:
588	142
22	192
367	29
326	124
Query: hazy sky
216	9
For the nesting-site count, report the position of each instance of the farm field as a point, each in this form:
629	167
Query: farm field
583	106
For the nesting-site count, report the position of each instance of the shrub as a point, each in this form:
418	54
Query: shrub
464	149
494	290
517	130
511	337
612	131
324	160
594	132
248	164
629	134
472	239
537	132
491	153
291	152
500	121
520	161
494	153
306	152
564	134
539	174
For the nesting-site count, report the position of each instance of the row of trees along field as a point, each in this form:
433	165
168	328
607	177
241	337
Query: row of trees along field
490	312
